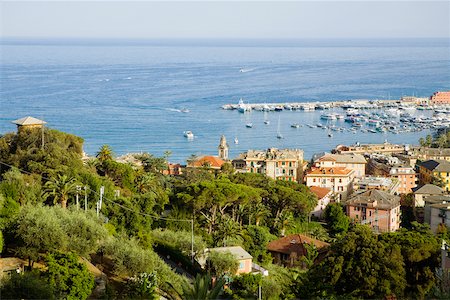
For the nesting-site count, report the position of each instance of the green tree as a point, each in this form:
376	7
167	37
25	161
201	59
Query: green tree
60	188
38	230
336	219
246	286
203	288
311	255
358	266
28	285
421	256
105	153
222	263
68	278
143	286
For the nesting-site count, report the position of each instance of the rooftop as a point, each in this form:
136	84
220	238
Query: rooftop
436	165
272	154
375	181
210	161
377	198
335	171
237	251
428	189
27	121
344	158
320	191
294	243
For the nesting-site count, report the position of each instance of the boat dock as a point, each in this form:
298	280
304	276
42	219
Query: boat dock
308	106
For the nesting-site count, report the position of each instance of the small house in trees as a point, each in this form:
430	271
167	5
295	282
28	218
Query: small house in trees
243	257
28	123
289	250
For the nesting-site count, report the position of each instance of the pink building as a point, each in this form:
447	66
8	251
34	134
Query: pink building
378	209
406	177
440	98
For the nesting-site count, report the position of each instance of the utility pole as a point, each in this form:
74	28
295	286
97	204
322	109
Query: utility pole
99	202
192	241
85	198
42	137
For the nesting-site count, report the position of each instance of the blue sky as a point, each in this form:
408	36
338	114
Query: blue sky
231	19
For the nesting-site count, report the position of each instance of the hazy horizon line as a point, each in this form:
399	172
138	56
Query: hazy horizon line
226	41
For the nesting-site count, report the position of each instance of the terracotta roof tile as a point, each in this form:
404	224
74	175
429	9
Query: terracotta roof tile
330	171
211	161
294	243
320	191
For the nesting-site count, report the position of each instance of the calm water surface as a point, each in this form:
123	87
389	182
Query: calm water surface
130	96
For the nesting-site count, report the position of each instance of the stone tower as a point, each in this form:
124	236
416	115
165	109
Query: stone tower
223	148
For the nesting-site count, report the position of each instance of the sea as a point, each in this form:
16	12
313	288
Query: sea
130	94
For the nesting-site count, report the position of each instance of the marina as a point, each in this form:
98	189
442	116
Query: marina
366	116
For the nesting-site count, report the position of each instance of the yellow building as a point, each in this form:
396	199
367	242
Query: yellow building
432	169
281	164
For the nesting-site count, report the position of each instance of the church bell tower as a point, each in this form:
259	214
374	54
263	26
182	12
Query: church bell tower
223	148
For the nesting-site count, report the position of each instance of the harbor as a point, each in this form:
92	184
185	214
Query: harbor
366	116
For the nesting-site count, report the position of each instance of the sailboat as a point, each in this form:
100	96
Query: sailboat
279	135
236	141
266	121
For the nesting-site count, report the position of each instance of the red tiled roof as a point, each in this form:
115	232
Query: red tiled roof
320	191
330	171
211	161
294	243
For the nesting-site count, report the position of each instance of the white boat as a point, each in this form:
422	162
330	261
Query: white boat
249	125
267	122
295	125
242	107
236	141
279	135
184	110
328	117
188	134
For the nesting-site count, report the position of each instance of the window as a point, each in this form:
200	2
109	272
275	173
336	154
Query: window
283	163
290	164
314	180
241	265
340	180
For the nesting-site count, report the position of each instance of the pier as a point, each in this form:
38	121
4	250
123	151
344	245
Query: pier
307	106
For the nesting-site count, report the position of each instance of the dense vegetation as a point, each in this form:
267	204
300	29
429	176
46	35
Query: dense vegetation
49	205
441	140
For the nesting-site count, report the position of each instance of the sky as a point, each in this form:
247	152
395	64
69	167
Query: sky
231	19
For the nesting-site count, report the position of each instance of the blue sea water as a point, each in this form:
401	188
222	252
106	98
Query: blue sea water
128	94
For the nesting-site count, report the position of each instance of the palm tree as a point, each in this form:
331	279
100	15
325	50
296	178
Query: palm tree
105	153
284	221
260	212
61	188
203	289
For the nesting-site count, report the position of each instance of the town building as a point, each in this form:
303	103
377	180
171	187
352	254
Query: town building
358	148
244	259
378	209
412	100
435	170
324	196
355	162
338	179
424	191
440	98
432	205
28	123
376	183
207	161
438	213
406	177
424	153
282	164
289	250
173	169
